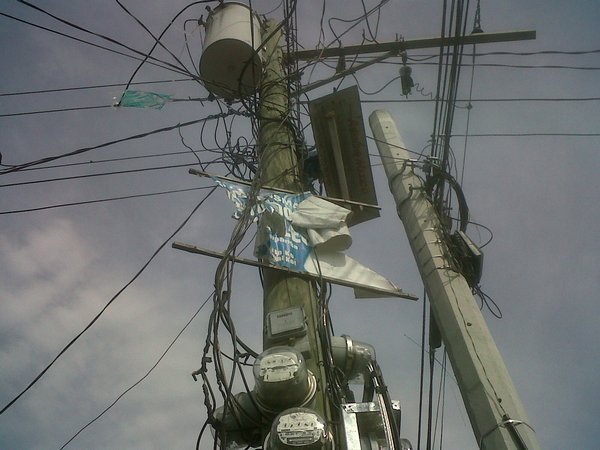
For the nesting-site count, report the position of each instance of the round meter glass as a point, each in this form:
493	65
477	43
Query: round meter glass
299	429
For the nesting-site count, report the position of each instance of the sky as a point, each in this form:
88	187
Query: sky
528	170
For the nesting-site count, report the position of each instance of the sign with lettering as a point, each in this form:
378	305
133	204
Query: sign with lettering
278	241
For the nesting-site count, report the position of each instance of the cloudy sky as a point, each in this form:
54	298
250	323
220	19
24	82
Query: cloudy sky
529	175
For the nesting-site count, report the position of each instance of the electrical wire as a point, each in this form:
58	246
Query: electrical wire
101	36
354	21
457	101
422	369
535	134
110	302
146	375
489	100
541	52
155	62
426	57
17	167
94	175
469	108
441	402
147	56
235	154
374	139
124	158
187	45
93	86
102	200
240	159
83	108
156	39
224	276
488	302
56	110
544	66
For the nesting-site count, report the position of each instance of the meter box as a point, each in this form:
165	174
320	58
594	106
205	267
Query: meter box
286	323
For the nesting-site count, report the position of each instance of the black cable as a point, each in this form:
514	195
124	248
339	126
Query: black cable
187	45
377	91
95	319
490	100
425	57
541	52
93	175
47	111
489	302
83	41
83	108
356	21
480	64
163	354
519	66
463	208
191	150
526	66
220	314
201	433
470	103
148	55
422	370
441	198
94	86
391	145
124	158
438	95
430	397
102	200
101	36
528	134
156	39
441	400
18	167
386	408
489	230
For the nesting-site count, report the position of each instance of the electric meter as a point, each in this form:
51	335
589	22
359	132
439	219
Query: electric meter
282	379
299	429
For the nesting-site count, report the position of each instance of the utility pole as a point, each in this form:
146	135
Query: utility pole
279	169
289	404
497	415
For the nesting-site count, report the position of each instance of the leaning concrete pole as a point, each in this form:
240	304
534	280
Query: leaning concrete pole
495	410
279	168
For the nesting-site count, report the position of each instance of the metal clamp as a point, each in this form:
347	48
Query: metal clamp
508	423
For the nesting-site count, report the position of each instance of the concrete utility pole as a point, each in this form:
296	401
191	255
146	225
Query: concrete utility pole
495	410
279	169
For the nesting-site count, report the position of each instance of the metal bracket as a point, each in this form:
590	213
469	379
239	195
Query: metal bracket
363	427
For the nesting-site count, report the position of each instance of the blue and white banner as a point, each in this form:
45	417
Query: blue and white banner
280	242
238	195
307	234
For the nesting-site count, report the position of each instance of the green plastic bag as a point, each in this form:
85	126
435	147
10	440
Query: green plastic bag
141	99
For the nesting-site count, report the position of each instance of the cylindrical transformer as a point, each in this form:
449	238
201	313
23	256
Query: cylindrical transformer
232	60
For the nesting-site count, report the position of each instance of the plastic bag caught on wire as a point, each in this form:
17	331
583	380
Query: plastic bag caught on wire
142	99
